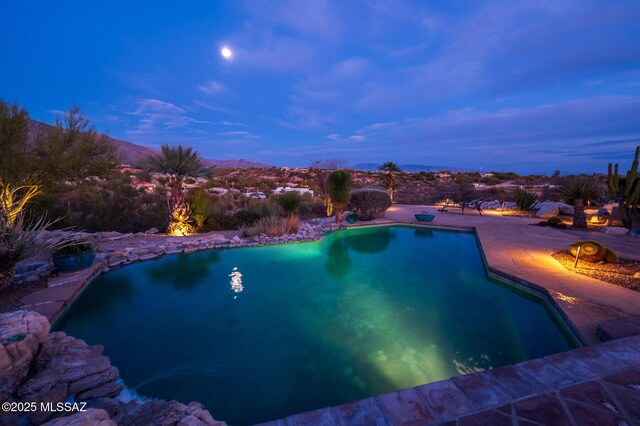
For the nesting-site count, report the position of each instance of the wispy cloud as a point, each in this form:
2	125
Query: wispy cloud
155	115
211	87
239	133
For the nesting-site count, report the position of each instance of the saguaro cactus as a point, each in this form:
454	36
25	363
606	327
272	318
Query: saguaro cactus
626	190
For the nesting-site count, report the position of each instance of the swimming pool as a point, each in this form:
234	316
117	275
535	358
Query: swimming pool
260	333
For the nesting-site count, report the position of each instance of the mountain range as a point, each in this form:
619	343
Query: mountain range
410	168
131	153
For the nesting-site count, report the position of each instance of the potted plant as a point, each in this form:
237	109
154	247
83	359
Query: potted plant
74	256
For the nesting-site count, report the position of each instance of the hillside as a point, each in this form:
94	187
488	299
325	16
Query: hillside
409	168
131	153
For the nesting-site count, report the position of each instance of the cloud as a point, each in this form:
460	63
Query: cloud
551	135
155	116
239	133
211	87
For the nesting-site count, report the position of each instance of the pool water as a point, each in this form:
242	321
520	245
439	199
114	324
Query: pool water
259	333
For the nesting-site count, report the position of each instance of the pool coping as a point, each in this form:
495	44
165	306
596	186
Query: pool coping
591	383
83	279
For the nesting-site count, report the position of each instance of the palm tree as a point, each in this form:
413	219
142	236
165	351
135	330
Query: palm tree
579	191
178	163
389	168
339	183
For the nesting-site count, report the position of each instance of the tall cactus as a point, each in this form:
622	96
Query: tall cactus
626	190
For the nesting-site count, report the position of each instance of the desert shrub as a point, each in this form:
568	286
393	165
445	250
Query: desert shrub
593	251
289	202
318	209
272	226
369	203
92	207
220	221
246	217
524	200
304	209
555	220
201	204
266	209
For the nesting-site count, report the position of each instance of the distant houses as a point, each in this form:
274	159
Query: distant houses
302	191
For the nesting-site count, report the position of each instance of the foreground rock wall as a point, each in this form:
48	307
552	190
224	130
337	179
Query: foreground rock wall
39	367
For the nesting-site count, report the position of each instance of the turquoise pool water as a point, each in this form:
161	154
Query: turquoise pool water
362	312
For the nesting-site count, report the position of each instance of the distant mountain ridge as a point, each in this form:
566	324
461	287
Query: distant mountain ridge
131	153
411	168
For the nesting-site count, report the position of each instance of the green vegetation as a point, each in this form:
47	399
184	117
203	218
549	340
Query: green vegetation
626	190
555	222
289	202
179	163
524	200
272	226
339	184
593	251
74	248
19	236
201	205
579	190
389	168
369	203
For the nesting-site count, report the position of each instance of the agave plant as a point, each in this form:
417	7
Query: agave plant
22	239
524	200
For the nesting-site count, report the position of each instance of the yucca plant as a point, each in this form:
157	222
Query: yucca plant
339	183
579	191
178	163
524	200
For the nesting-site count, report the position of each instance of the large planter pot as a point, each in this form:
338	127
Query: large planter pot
73	262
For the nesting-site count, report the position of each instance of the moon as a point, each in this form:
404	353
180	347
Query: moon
226	52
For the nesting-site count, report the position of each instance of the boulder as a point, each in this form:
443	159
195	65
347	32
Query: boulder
152	231
546	211
90	417
615	230
22	334
157	412
67	366
565	209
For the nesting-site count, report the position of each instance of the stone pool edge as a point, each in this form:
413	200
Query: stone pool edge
78	282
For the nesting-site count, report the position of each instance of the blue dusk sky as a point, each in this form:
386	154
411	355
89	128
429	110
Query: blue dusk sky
529	86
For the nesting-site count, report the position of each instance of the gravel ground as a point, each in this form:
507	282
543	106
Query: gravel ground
620	273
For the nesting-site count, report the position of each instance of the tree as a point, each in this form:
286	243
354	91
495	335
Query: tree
339	184
14	133
178	163
320	170
579	190
389	168
71	150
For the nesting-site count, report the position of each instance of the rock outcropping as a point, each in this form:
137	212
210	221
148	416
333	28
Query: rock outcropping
37	366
